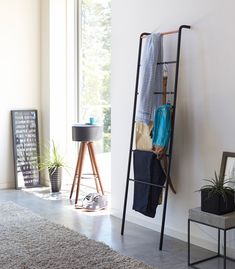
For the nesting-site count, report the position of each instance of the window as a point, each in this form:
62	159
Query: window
94	72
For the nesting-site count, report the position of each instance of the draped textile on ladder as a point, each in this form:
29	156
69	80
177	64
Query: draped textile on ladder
151	78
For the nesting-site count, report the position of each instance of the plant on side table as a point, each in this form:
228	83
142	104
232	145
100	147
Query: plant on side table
217	197
54	163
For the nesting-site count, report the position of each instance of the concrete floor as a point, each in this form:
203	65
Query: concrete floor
137	242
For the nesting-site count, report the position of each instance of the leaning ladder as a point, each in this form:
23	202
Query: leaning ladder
169	155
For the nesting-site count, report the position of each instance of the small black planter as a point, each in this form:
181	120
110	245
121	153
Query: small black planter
56	179
216	204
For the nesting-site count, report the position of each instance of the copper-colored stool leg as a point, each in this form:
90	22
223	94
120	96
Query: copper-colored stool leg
93	159
92	166
82	150
76	173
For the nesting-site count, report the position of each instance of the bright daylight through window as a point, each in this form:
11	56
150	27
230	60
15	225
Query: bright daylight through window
94	74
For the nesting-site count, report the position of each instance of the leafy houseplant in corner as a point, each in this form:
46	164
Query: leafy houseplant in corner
217	197
53	162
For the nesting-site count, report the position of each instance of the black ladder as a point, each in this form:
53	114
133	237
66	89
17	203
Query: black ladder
169	155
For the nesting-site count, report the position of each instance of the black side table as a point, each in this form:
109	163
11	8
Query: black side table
220	222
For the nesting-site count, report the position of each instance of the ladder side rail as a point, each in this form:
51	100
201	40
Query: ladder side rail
172	135
132	133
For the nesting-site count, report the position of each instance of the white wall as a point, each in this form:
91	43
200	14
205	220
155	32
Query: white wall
58	93
57	58
62	76
19	71
45	78
206	107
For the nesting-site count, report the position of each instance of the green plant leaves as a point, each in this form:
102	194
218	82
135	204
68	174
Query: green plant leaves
217	186
51	159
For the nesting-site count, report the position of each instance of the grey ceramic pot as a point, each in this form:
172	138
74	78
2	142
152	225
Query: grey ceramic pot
56	179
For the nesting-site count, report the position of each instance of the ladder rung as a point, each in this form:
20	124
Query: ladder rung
146	183
164	92
168	62
166	154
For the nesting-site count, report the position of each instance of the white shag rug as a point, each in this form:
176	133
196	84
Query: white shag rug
28	241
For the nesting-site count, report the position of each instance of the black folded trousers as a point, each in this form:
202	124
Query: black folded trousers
147	168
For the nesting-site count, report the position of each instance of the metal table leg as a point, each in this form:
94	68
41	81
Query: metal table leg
225	249
188	241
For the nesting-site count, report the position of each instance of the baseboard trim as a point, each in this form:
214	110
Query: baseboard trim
7	185
133	218
181	235
10	184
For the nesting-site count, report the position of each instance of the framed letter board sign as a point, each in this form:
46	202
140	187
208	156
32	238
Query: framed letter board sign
25	148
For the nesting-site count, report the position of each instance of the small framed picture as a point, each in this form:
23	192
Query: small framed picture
227	168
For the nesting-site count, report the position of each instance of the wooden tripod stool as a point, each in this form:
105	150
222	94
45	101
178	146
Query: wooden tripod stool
86	134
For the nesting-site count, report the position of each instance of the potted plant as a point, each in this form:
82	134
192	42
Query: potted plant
53	162
217	197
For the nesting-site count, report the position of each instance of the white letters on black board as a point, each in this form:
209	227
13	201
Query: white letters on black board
25	147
